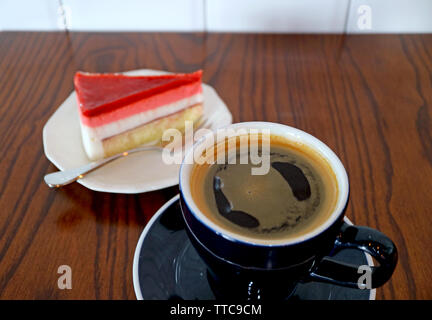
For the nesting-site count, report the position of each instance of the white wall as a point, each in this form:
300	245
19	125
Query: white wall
276	15
397	16
287	16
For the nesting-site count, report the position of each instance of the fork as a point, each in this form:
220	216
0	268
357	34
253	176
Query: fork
62	178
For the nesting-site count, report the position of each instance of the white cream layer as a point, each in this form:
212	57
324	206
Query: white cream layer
93	136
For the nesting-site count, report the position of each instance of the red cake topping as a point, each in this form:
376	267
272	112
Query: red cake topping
102	93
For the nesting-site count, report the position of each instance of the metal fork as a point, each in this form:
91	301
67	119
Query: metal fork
62	178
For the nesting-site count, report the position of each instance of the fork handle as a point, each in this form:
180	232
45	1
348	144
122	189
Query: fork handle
62	178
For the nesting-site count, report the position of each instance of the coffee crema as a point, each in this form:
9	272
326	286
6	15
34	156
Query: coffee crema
297	195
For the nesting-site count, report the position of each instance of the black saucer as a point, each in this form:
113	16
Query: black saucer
166	266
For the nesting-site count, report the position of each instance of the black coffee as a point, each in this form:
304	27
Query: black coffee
296	195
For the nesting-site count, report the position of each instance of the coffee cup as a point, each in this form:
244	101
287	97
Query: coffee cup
260	236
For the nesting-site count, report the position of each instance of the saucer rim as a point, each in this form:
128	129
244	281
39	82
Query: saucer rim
161	210
135	269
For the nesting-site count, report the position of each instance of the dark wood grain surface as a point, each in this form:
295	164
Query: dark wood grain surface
369	97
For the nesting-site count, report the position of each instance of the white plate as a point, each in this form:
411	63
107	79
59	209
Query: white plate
140	172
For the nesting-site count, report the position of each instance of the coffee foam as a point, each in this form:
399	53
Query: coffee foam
200	172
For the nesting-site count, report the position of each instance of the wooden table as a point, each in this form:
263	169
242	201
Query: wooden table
369	97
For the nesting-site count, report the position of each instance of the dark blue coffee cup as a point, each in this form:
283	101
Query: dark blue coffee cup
244	268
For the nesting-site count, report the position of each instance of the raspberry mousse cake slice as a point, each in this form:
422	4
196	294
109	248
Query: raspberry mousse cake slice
120	112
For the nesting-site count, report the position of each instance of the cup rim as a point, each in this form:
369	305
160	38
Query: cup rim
292	134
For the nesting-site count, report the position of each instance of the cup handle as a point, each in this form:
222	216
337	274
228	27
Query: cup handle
364	239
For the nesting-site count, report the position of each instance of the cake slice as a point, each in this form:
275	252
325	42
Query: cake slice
119	112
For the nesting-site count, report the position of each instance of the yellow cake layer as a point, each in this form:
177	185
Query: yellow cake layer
150	132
